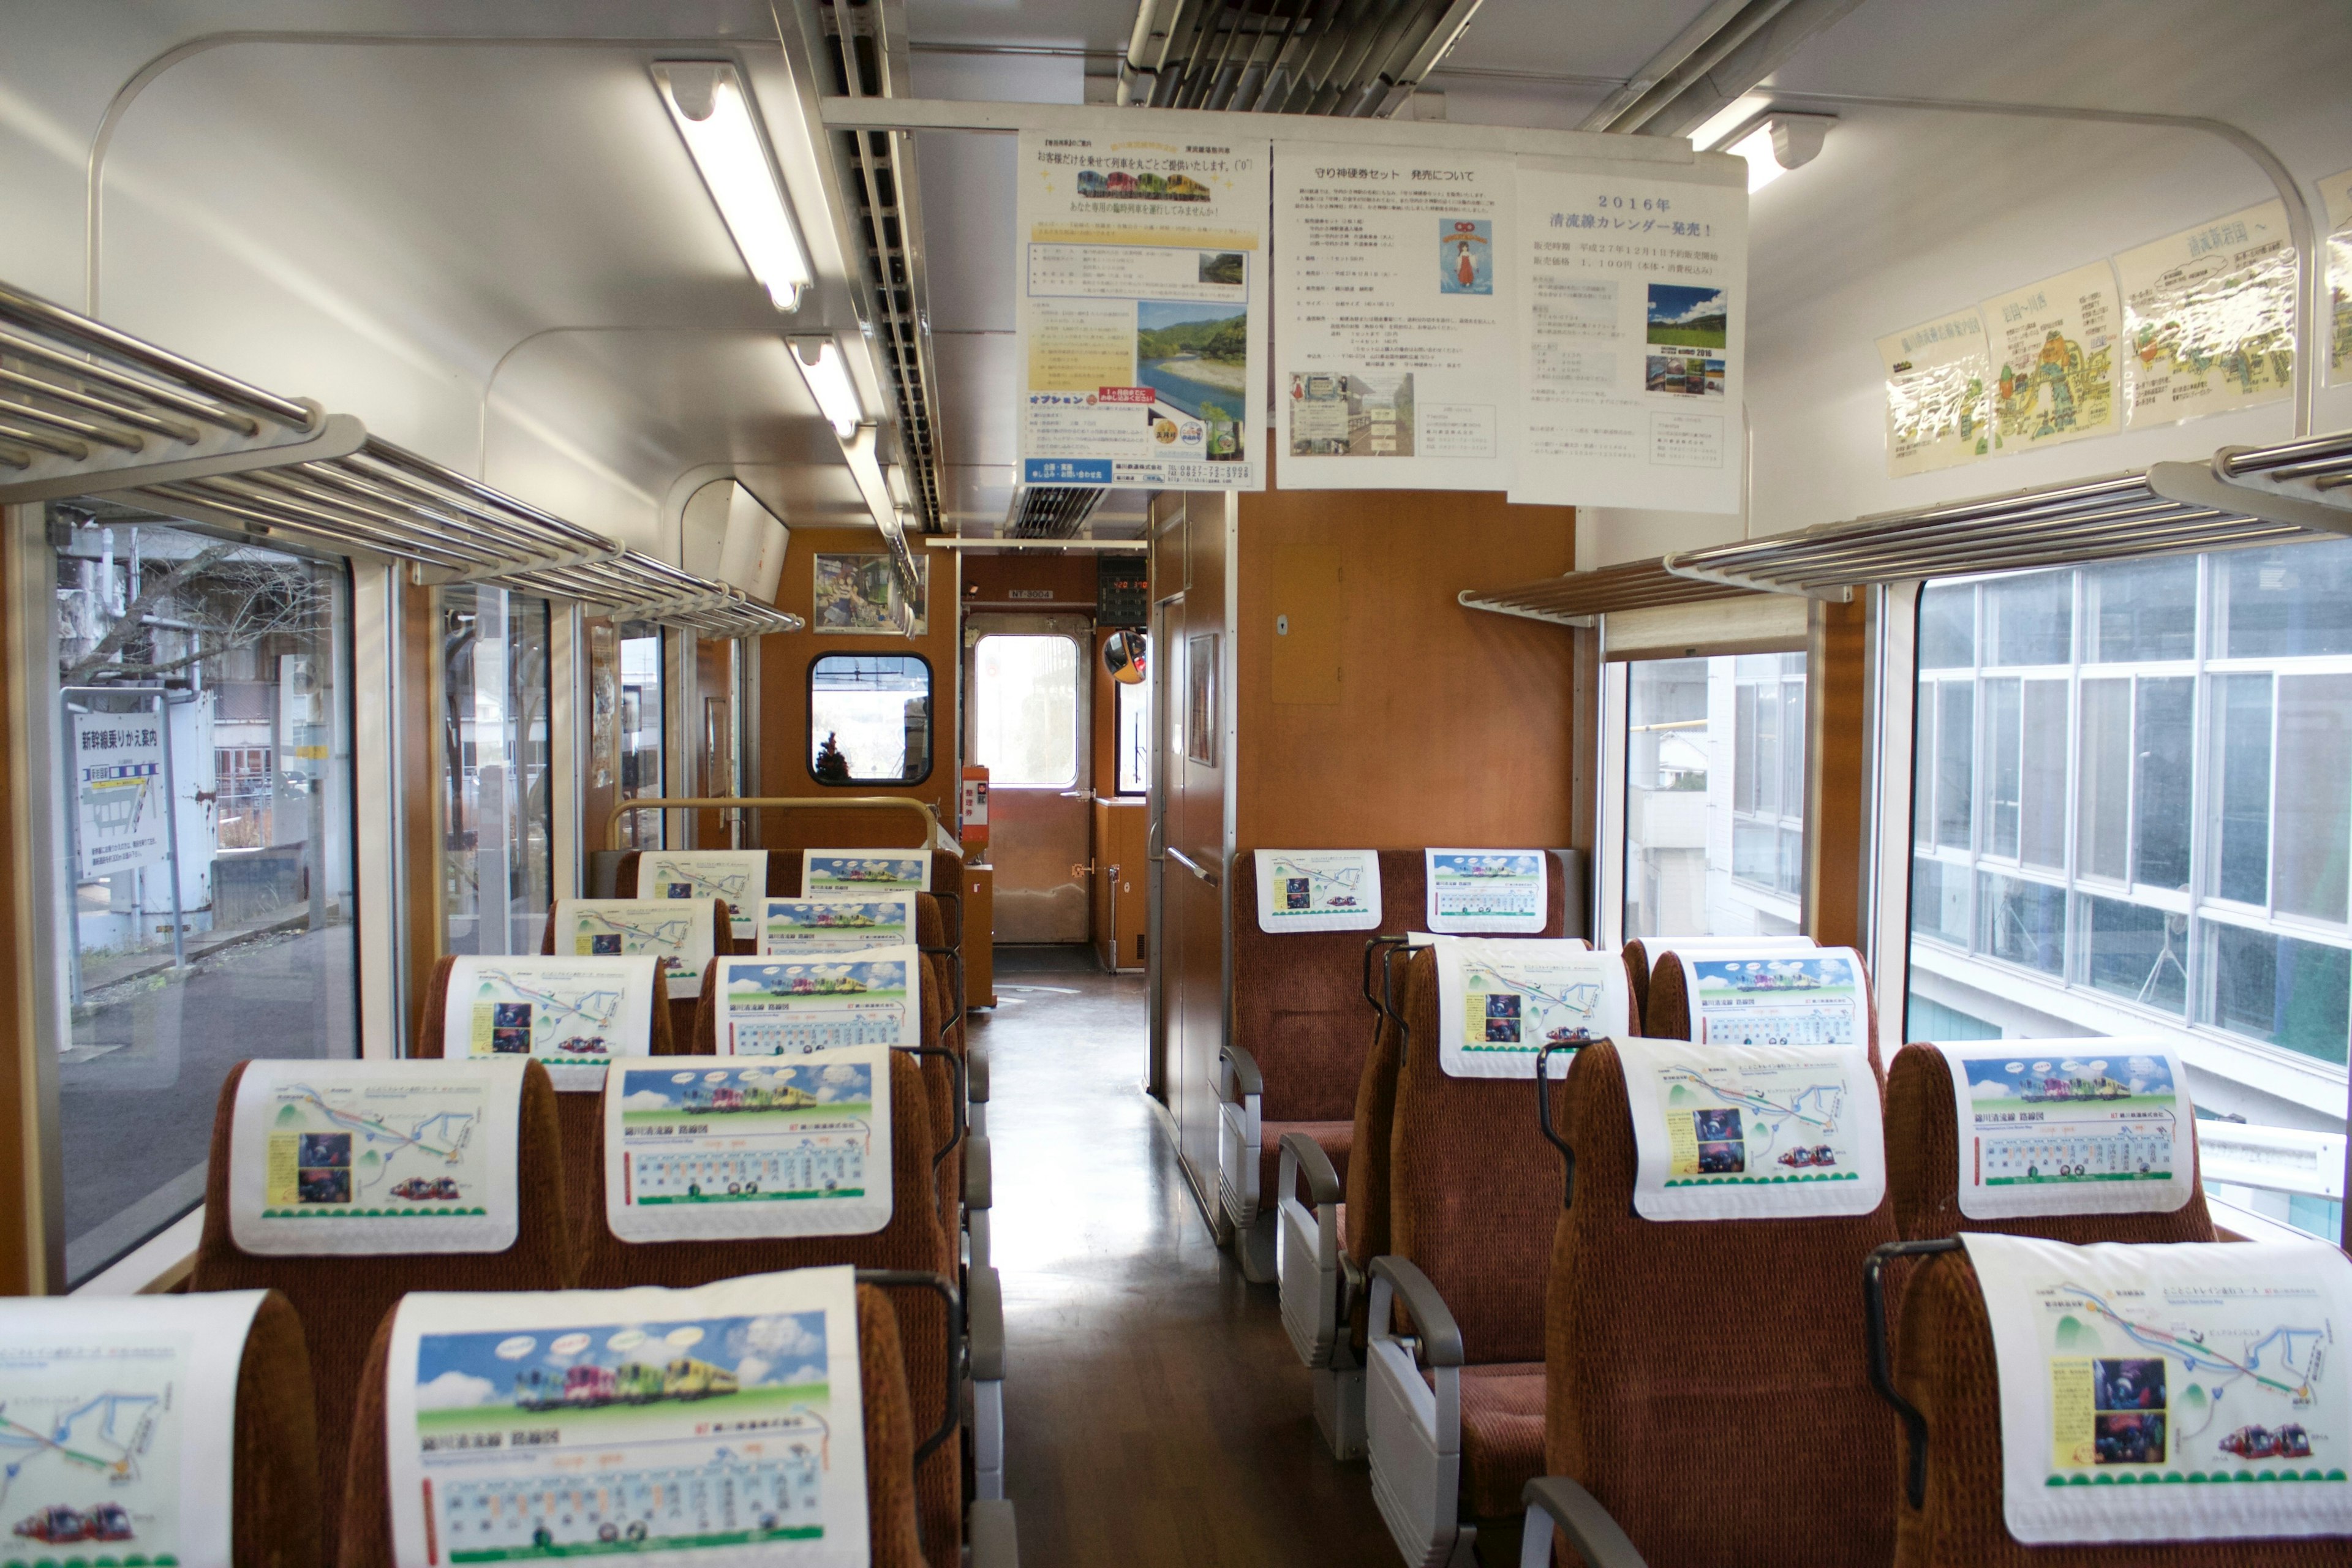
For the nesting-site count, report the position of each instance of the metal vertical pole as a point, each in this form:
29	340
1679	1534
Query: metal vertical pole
171	828
73	852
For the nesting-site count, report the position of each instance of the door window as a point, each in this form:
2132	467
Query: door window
1024	701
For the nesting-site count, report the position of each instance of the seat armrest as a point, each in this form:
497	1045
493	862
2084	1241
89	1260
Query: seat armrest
1558	1501
983	1307
989	1529
979	1175
975	1077
1242	1077
1441	1336
1302	1156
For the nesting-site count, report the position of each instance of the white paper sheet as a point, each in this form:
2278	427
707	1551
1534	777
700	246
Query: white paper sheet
357	1157
1317	889
738	876
866	871
836	922
2141	1386
1486	892
2058	1127
679	934
1753	1132
791	1006
1938	395
695	1149
573	1013
2208	314
1500	1001
1806	998
118	1421
2054	346
721	1426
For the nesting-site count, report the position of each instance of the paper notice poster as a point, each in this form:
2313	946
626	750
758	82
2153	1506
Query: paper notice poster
866	871
2209	316
118	767
574	1014
120	1426
1493	892
2052	1127
722	1425
2337	192
1394	314
1317	889
680	933
2054	350
1800	998
1631	310
777	1149
1753	1132
2141	1386
1938	395
836	922
374	1157
1141	323
1500	1002
738	876
773	1008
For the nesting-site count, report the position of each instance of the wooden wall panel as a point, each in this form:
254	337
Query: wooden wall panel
423	825
23	1266
1841	775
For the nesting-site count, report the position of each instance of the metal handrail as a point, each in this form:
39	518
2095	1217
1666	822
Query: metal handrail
774	803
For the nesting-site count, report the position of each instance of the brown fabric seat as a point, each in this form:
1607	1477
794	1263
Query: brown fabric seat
893	1428
1661	1338
1637	974
680	1010
1501	1435
1666	1008
341	1298
274	1508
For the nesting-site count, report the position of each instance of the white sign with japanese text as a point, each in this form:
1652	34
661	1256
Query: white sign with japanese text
118	764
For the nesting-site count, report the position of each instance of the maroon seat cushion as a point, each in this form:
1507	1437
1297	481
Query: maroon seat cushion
1336	1139
1501	1435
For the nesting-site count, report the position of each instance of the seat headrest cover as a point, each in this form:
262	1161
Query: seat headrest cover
2138	1383
721	1426
780	1148
866	871
574	1014
738	876
2069	1127
1753	1132
677	933
836	922
786	1007
1493	892
1500	1000
1716	946
122	1417
347	1157
1317	889
1801	997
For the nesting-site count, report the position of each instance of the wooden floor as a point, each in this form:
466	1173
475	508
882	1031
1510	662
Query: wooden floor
1155	1413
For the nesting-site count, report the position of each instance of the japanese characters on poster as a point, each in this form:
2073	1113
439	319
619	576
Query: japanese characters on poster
738	876
682	933
1938	395
575	1015
773	1008
118	767
1802	998
1632	309
1395	315
865	871
1317	889
1141	322
2209	317
836	922
2337	192
2051	1127
2054	348
1501	1000
1496	892
1753	1132
722	1425
2141	1386
695	1149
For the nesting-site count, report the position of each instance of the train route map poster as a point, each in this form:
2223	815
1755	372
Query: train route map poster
2209	317
574	1014
681	933
1140	326
116	1427
1317	889
2337	192
2051	1127
2141	1386
1811	999
721	1426
1501	1001
1489	892
1395	310
1753	1132
374	1157
833	922
780	1149
1938	395
2053	347
865	871
738	876
773	1008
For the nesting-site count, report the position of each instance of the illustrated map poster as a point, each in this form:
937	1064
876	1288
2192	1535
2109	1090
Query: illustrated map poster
770	1007
836	922
2337	192
1501	1001
721	1426
1789	999
2141	1386
1938	395
2052	349
1141	322
1317	889
1753	1132
573	1013
779	1148
738	876
118	765
1492	892
681	934
865	871
2208	314
2047	1127
1395	317
374	1157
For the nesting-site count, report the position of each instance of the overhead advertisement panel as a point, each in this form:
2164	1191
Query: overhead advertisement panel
1938	405
1141	331
2052	349
2210	315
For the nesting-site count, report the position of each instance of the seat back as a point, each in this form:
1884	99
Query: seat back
1661	1338
1368	1152
1637	972
1669	1013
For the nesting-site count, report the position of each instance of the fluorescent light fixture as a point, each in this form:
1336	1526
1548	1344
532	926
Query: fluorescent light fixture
707	99
1757	148
1777	141
827	373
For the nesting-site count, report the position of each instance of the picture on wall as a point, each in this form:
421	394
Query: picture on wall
858	595
1201	699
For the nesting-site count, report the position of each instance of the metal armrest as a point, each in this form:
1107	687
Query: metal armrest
984	1348
1412	1416
975	1077
1301	1156
978	1176
989	1529
1558	1501
1439	1336
1240	1089
1243	1066
1313	1288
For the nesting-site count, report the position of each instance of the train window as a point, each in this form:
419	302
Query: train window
497	788
1025	701
641	730
1715	796
1135	738
214	675
869	718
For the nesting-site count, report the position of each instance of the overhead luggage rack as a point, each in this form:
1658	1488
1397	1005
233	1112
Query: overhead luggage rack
1579	598
634	587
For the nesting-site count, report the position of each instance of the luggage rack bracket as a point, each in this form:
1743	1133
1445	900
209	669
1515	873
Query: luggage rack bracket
49	475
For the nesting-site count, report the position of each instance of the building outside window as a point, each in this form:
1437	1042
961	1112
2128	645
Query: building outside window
1025	698
498	859
869	718
641	729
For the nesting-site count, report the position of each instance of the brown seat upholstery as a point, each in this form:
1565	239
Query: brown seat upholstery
341	1298
1637	974
893	1428
679	1009
274	1520
1661	1338
1665	1015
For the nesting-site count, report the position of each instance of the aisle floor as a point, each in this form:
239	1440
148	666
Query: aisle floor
1155	1413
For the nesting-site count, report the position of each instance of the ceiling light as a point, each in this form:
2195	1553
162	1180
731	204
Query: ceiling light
827	373
1777	141
1757	148
707	102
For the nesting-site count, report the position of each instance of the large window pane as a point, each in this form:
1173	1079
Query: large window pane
1955	761
2165	747
2030	620
2024	923
2315	794
1745	788
641	729
2286	604
499	860
2241	748
2138	953
2280	990
1939	900
1948	628
1792	747
2143	610
869	718
2004	766
2041	792
1923	765
1026	708
2103	794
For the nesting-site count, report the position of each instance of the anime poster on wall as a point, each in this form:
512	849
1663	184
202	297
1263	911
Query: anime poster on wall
859	595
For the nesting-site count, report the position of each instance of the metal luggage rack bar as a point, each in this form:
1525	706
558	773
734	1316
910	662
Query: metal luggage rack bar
1579	598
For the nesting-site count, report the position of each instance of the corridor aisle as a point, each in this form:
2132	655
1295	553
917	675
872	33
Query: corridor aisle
1155	1413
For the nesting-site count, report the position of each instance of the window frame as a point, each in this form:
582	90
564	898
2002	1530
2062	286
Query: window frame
930	723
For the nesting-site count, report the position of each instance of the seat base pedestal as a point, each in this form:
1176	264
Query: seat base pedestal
1340	1410
1253	1248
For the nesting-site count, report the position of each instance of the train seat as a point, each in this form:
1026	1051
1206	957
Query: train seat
1827	1002
682	979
